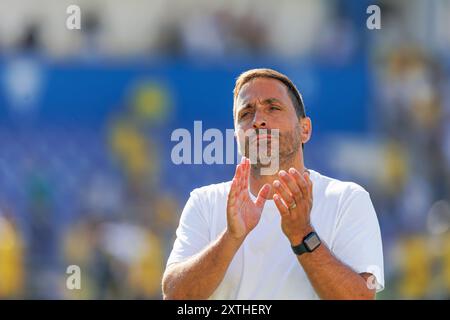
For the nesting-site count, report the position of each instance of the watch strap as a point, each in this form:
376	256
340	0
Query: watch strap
300	249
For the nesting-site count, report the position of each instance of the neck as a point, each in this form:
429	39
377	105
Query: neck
257	181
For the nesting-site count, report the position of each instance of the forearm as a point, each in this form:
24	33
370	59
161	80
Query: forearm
331	278
199	276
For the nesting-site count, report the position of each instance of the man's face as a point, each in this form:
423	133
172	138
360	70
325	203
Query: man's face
264	103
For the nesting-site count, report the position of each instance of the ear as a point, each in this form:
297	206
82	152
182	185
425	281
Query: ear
306	129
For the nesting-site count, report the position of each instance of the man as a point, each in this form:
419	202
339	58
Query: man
229	242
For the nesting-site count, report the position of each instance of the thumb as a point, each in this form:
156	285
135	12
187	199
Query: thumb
263	195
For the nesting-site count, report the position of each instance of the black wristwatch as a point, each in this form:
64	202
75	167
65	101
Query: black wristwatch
310	243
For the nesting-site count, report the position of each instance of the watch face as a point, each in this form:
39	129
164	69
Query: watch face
312	242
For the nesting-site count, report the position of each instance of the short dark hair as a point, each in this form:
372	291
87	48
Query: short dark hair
293	92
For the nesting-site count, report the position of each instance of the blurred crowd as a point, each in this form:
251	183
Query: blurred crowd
93	198
414	192
90	199
168	28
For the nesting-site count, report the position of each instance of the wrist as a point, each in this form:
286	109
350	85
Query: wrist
297	239
232	239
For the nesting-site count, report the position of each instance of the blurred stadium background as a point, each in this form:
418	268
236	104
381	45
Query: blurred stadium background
86	116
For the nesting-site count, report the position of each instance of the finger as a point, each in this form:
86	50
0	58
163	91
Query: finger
244	195
284	211
240	182
283	192
234	189
236	171
238	176
301	183
289	182
235	181
239	173
247	173
232	193
308	183
263	195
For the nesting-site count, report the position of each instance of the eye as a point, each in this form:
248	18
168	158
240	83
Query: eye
243	115
274	108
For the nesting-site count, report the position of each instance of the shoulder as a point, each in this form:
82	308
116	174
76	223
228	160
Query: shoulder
331	187
344	194
350	202
207	202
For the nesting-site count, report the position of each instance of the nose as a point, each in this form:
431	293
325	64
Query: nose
259	121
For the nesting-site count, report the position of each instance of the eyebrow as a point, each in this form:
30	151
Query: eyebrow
250	105
271	101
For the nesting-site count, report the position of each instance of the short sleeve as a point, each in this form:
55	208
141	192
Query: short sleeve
357	241
192	234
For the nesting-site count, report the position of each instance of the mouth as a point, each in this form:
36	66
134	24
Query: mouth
263	137
260	137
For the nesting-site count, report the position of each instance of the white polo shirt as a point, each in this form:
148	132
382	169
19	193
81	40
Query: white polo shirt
265	267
